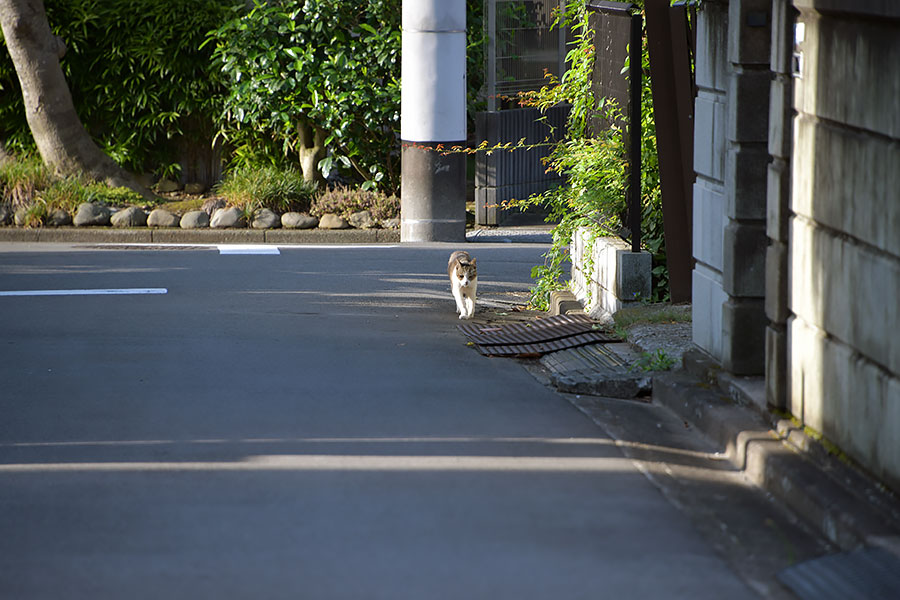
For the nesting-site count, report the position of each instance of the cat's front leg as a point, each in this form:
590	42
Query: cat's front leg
470	307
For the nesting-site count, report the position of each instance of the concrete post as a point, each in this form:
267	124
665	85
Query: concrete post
433	113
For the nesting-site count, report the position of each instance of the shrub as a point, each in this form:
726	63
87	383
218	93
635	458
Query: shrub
345	201
280	190
322	77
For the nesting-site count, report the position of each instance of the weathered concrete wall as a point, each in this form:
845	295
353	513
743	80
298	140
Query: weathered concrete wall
731	160
778	193
712	71
843	332
606	275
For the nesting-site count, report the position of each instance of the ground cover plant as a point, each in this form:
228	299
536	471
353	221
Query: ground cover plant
344	201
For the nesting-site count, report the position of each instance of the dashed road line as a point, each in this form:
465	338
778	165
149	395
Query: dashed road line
242	249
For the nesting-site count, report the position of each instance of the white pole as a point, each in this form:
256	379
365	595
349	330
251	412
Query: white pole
433	112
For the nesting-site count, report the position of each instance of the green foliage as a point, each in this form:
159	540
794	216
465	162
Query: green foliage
118	196
280	190
22	178
139	80
594	165
67	193
330	64
654	361
344	201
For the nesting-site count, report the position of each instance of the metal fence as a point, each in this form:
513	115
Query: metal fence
507	174
522	47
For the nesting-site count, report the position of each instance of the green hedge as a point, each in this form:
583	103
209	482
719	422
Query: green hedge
138	77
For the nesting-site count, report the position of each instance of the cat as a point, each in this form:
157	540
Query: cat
463	282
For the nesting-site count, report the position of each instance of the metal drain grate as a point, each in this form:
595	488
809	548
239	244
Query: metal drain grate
536	337
145	247
593	358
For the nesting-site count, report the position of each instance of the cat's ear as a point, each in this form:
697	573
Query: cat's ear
473	262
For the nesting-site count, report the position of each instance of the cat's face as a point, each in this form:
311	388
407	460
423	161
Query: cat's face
466	273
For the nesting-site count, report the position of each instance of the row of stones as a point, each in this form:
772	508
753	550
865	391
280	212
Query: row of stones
90	214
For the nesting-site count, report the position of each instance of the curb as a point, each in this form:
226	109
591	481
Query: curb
102	235
842	502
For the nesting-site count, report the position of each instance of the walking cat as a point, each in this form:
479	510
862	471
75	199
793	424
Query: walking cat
463	282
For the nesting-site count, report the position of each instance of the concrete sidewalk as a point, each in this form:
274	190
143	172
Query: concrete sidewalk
813	480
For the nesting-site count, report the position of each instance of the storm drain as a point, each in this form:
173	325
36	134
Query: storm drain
865	574
585	359
536	338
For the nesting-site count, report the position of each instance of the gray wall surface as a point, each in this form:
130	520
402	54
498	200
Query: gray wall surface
797	211
844	230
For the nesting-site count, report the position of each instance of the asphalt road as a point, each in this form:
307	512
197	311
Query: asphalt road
305	425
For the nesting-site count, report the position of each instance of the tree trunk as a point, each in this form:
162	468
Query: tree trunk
61	139
311	151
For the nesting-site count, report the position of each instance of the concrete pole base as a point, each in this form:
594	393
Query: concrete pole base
432	193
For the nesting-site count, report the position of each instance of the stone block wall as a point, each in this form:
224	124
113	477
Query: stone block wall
843	231
606	275
778	192
731	160
712	73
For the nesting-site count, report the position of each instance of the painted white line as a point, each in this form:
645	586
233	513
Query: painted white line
319	462
95	292
243	249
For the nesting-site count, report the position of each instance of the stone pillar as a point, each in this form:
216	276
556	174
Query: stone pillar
433	115
778	192
712	68
746	167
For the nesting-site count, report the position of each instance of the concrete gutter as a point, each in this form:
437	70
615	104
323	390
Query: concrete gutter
846	505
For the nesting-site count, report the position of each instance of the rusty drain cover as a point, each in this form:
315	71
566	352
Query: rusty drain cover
537	337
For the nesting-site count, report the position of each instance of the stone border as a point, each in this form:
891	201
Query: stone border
145	235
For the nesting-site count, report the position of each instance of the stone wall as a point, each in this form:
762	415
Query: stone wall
731	161
606	275
712	71
843	227
778	192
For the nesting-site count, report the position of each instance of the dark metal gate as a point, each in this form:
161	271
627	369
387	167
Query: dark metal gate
672	43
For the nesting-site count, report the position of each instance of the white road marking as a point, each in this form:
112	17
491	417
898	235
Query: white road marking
94	292
247	249
319	462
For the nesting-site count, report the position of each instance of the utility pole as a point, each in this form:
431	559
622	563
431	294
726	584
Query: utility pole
433	115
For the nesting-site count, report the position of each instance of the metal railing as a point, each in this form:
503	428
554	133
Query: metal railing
522	47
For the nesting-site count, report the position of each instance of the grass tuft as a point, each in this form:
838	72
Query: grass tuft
280	190
652	313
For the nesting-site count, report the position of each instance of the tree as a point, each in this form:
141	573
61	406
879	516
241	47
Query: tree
60	137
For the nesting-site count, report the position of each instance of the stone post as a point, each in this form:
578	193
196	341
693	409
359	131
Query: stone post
778	204
433	117
746	167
